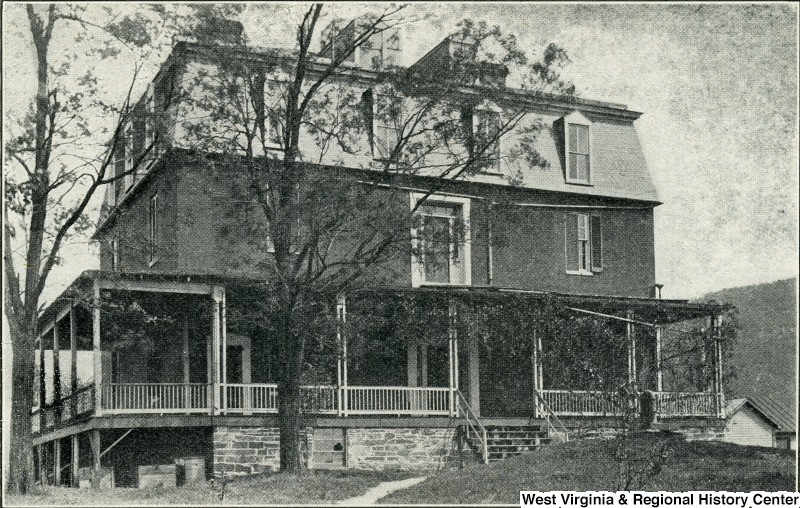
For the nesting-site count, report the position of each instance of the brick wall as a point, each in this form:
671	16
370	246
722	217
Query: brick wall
408	449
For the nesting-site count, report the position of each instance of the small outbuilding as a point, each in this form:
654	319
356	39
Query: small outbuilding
759	421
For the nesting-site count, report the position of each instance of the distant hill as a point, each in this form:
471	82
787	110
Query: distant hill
765	355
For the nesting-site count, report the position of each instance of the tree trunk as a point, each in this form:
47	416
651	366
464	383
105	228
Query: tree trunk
20	473
289	424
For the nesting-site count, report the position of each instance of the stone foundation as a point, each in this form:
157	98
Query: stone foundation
254	450
402	448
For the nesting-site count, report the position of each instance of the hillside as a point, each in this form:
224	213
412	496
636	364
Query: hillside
765	355
590	465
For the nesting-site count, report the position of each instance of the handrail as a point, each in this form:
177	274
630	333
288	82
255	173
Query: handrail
549	412
470	415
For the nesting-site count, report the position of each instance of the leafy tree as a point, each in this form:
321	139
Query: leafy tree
54	164
278	123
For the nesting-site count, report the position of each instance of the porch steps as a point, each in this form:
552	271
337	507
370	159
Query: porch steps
508	441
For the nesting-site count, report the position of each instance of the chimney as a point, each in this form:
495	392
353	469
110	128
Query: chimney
219	31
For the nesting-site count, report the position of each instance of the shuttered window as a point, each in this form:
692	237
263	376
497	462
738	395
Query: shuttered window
578	160
583	243
152	233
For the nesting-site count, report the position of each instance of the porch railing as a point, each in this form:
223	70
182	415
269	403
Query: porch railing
263	398
397	400
689	404
155	398
70	407
583	402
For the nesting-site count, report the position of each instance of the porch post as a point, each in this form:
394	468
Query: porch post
659	376
345	381
76	450
716	323
73	362
474	375
57	462
216	343
42	469
40	379
630	332
95	440
57	394
187	394
535	371
341	364
451	335
96	352
224	337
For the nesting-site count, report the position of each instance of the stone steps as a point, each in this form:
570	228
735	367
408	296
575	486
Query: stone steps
508	441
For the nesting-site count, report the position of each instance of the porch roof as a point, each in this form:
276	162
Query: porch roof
658	311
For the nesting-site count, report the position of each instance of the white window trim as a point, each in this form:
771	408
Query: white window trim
152	230
417	268
588	271
128	140
576	118
487	105
115	253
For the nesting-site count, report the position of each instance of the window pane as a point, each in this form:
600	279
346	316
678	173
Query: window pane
573	166
436	249
573	138
583	167
583	138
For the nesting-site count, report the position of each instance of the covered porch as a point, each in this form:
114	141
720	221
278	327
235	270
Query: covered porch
156	344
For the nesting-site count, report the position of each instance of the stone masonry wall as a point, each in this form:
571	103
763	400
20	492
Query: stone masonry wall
249	450
402	448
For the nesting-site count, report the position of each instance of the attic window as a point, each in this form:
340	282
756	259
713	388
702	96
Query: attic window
483	127
577	141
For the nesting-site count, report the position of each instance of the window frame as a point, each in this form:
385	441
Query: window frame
576	118
418	265
152	230
585	252
491	109
378	125
114	253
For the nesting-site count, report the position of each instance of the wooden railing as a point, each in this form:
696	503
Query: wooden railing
561	433
155	398
263	398
473	426
396	400
583	402
689	404
70	407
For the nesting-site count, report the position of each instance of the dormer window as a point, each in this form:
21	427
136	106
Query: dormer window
483	125
384	123
577	134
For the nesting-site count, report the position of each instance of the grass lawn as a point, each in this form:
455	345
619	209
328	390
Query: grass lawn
590	465
277	488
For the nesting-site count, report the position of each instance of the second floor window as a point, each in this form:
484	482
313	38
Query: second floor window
442	250
483	128
152	232
387	126
583	243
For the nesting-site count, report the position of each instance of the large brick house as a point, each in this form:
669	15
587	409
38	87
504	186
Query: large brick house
576	232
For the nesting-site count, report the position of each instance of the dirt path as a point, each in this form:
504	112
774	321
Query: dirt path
381	490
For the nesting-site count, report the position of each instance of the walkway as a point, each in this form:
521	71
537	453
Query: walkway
380	491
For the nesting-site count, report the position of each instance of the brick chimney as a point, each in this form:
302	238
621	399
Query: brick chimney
219	31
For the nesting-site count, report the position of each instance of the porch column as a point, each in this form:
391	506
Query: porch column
535	370
659	375
187	393
716	323
40	379
96	352
474	375
452	335
73	359
216	342
341	364
57	462
40	465
57	390
630	333
94	436
76	454
223	333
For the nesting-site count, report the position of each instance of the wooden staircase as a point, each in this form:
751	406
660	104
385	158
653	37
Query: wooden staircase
503	441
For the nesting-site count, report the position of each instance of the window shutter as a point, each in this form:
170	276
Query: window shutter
571	241
597	243
368	116
467	122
